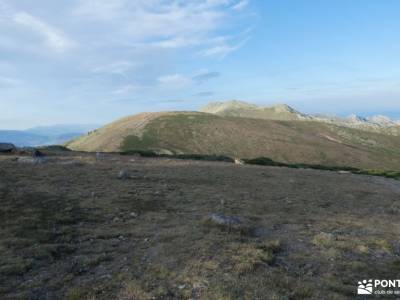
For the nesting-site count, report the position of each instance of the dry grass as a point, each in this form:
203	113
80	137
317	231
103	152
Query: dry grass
132	290
68	232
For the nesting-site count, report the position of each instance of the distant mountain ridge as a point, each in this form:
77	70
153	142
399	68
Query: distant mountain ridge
235	108
45	135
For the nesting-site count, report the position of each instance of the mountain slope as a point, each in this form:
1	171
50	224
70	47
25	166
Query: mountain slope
285	141
110	137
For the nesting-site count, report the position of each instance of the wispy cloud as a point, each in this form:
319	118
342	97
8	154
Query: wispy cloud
241	5
118	67
205	94
127	89
221	50
227	45
53	37
99	9
174	81
9	81
81	52
204	76
160	23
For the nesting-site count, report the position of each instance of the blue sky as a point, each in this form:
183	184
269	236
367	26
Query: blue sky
91	61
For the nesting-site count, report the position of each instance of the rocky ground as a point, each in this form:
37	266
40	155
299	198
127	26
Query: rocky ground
75	227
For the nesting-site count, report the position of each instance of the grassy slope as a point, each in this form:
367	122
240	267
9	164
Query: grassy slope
110	137
284	141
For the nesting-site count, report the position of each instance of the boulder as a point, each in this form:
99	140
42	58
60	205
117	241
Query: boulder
37	153
7	148
123	175
221	219
238	161
228	222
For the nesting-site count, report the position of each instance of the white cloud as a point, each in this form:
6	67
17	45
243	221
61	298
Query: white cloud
118	67
178	42
9	81
127	89
204	75
122	49
221	50
4	11
160	23
99	9
241	5
54	38
174	81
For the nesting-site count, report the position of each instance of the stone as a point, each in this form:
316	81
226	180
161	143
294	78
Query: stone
396	247
344	172
221	219
36	153
229	222
7	148
123	175
238	161
181	286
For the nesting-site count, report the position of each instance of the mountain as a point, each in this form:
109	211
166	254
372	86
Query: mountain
380	124
62	129
289	141
45	135
237	108
22	138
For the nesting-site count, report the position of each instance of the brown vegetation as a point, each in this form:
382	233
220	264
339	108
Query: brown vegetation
76	231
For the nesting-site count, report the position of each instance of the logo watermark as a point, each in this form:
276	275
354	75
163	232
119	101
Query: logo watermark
378	287
365	287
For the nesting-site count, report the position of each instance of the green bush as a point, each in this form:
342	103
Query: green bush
264	161
203	157
144	153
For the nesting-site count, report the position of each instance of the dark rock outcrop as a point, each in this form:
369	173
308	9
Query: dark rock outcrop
7	148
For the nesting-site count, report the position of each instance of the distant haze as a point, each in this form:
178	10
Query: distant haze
45	135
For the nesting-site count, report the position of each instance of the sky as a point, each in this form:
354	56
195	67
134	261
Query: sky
92	61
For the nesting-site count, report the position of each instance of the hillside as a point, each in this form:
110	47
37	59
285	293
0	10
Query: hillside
285	141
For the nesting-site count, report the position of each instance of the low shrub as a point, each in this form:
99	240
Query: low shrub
264	161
